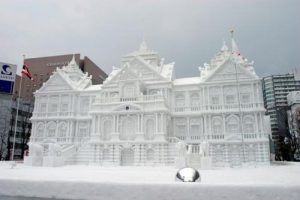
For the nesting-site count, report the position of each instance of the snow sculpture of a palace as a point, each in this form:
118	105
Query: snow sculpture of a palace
141	112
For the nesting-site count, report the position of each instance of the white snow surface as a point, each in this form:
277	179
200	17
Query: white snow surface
278	181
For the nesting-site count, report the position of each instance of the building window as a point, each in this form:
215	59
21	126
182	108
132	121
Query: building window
51	129
150	155
248	125
195	100
107	129
230	99
62	130
215	100
179	101
245	98
40	131
232	125
217	126
149	129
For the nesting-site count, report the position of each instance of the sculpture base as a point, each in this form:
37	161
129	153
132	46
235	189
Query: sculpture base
33	160
53	161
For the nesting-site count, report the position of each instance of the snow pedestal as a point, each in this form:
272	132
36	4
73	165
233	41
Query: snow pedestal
53	161
33	160
54	157
35	157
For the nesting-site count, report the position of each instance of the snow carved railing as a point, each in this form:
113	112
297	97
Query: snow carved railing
225	107
130	99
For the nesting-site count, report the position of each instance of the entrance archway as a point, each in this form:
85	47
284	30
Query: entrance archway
127	157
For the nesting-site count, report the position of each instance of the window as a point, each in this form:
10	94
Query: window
149	129
84	105
51	128
82	129
53	104
217	126
40	130
214	100
180	101
232	125
230	99
248	125
43	107
195	100
195	129
107	129
150	154
245	98
62	130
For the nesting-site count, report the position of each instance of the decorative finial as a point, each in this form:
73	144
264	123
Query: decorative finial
143	46
231	32
224	46
73	62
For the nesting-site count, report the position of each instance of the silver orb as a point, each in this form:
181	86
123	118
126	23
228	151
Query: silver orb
188	174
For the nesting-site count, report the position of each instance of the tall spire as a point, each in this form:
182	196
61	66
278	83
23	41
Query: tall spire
234	48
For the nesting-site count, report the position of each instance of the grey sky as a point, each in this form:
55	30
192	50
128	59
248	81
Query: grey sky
187	32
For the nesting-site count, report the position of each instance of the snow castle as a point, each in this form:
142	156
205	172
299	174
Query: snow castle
142	115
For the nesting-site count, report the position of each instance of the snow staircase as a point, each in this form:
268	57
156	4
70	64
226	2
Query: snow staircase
81	155
172	150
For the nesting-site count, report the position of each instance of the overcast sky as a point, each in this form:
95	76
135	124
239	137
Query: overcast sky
187	32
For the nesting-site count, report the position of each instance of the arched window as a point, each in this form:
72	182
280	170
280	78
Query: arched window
51	129
232	125
150	155
107	129
214	95
195	100
217	125
128	129
106	154
180	101
128	91
62	130
149	133
248	125
40	130
84	105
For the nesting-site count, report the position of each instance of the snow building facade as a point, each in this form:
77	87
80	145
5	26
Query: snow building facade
141	112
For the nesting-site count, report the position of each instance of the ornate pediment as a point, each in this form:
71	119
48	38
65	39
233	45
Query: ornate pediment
230	71
56	83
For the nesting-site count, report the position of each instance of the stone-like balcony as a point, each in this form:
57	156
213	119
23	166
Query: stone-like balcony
223	108
58	114
222	137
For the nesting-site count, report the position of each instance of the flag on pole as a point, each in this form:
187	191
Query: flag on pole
25	71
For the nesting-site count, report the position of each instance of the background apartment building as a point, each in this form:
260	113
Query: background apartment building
275	91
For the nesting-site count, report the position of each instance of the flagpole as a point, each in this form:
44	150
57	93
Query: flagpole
17	115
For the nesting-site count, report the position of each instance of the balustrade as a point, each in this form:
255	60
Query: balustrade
225	107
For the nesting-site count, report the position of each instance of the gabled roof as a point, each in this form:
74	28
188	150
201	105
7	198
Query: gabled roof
69	75
224	58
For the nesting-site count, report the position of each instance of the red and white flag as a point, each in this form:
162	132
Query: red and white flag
25	71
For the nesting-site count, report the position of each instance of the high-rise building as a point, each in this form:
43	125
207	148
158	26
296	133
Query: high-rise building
275	91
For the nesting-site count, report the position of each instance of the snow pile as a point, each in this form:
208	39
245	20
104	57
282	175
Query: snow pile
95	182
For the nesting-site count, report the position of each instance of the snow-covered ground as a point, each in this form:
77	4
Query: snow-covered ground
278	181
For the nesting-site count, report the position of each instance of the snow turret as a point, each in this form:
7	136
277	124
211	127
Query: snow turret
225	56
148	55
